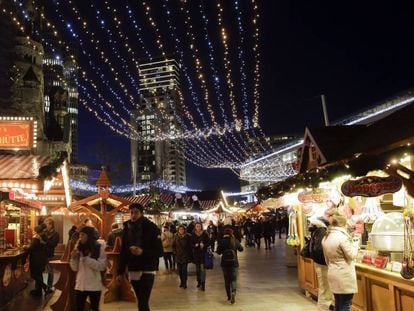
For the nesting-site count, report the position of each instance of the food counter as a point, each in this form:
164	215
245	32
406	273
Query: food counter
14	273
378	289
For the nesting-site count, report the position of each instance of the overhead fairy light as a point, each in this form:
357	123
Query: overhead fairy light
160	184
256	74
202	76
221	152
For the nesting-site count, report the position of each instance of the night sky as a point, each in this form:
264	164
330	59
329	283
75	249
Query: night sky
354	54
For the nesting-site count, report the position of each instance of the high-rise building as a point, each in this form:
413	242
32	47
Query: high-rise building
159	105
71	77
60	90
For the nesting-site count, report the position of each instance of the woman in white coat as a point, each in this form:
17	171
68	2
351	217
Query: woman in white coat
88	259
340	252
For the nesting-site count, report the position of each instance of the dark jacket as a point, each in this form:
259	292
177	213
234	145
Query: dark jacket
146	235
199	253
318	230
51	242
224	243
38	255
182	248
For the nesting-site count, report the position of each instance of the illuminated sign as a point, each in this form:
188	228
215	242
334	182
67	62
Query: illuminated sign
17	134
316	196
371	186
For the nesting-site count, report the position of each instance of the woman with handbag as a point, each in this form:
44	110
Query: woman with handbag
227	248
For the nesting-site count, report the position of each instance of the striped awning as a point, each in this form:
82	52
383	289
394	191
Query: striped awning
207	204
141	199
166	198
21	167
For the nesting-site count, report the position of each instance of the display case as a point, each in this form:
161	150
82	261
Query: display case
387	233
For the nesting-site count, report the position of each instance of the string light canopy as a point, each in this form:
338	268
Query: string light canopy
218	99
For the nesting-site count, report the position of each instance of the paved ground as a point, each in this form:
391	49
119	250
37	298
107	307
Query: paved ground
265	283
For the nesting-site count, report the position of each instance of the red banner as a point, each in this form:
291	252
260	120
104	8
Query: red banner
16	134
371	186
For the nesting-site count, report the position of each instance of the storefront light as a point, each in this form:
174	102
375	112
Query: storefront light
43	211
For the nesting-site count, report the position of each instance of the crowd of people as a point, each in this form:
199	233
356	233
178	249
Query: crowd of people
179	244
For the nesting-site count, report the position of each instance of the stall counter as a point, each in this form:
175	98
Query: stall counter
378	289
14	273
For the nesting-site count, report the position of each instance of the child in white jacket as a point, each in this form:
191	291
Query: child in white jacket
88	258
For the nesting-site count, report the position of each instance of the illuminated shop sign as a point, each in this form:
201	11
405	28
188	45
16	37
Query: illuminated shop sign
371	186
17	133
313	196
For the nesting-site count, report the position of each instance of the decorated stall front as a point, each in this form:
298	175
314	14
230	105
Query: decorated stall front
28	184
366	173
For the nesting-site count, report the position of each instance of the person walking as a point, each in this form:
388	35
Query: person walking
182	251
167	239
212	234
52	240
227	248
38	260
200	243
258	232
88	259
340	253
318	227
267	232
140	251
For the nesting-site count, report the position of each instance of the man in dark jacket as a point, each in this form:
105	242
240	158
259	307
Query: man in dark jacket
52	240
140	251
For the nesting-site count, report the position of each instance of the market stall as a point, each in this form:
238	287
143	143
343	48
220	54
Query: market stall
27	185
104	207
362	175
217	213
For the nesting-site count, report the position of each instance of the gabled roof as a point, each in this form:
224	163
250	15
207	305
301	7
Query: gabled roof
335	143
390	132
103	179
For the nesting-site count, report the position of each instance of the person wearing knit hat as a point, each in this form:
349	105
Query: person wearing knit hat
88	259
227	248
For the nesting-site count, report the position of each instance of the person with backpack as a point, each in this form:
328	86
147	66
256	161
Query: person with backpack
227	248
140	251
318	230
88	259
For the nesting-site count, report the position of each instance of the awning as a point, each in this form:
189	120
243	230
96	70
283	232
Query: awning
21	167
